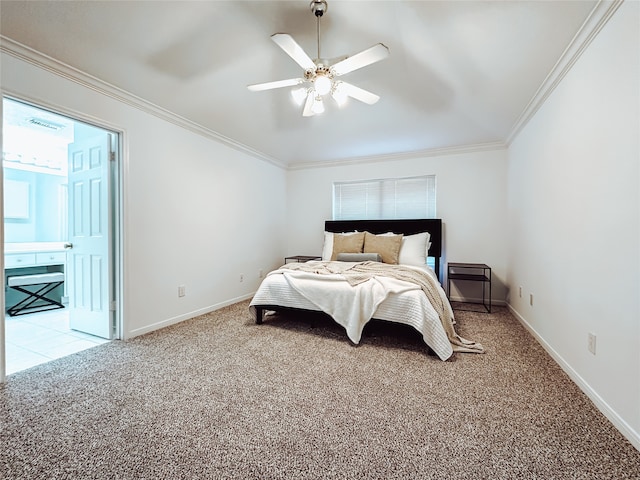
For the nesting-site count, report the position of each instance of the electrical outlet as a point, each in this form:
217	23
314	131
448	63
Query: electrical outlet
591	343
241	277
531	299
182	290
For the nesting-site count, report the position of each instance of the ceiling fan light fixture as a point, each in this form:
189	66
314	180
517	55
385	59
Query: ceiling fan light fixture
318	106
338	93
299	95
322	84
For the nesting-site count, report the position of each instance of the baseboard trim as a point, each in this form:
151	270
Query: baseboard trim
185	316
623	427
477	300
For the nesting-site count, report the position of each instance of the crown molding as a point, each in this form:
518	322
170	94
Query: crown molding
433	152
61	69
596	20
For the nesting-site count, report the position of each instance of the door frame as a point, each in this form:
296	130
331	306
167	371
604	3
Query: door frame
117	181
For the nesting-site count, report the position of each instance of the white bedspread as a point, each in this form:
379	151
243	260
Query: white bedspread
353	307
350	304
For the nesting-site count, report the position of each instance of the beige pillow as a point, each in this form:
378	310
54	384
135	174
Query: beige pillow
388	246
350	243
327	248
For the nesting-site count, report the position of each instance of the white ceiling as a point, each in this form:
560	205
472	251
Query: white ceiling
460	73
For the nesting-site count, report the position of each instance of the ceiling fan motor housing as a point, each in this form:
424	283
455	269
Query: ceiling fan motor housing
321	69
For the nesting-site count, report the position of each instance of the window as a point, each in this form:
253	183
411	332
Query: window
390	198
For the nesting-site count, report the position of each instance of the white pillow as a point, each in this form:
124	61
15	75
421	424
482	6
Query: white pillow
327	248
414	249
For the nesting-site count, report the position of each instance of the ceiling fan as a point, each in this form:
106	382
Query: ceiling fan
319	78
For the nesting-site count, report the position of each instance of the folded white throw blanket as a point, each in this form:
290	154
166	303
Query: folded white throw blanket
372	282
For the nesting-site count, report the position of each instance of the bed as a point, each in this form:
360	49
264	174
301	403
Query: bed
356	282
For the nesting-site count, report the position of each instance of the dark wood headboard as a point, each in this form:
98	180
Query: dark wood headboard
406	227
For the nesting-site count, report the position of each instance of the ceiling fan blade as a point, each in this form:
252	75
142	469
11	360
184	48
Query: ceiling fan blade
258	87
295	51
358	93
366	57
308	105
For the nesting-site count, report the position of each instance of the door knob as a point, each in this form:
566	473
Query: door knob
68	245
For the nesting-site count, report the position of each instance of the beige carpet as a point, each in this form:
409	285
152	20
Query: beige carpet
219	397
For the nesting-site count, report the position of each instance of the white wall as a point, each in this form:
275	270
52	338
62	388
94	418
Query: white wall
471	200
196	212
574	221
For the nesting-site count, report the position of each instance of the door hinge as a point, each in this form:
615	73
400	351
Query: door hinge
112	156
112	306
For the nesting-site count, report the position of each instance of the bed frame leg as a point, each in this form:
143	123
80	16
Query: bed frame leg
259	311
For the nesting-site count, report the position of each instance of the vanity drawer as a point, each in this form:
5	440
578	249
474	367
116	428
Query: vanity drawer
51	258
19	260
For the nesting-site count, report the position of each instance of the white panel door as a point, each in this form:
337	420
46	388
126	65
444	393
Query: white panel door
88	266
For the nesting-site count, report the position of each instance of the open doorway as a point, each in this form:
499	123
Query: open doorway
59	184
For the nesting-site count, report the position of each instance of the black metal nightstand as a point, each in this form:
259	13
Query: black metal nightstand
470	272
301	258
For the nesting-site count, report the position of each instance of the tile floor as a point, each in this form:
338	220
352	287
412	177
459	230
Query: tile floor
38	338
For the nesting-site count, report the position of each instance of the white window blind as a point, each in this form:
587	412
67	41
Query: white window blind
390	198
